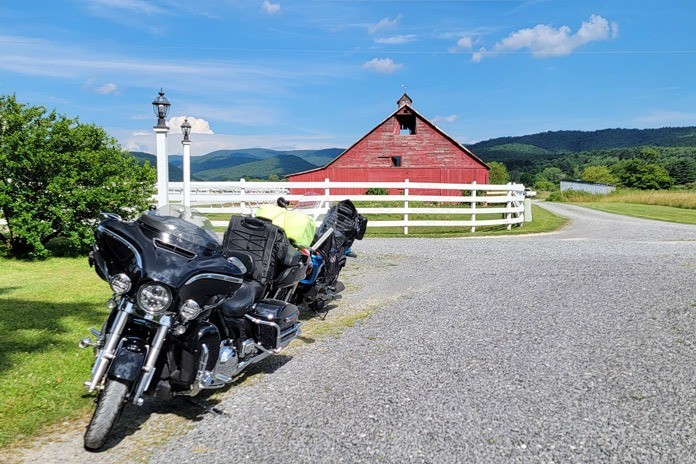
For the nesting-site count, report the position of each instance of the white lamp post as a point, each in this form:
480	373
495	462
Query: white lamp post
186	130
161	107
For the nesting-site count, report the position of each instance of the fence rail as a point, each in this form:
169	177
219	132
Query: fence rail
481	203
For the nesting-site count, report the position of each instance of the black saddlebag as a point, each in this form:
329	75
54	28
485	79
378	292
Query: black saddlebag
258	244
346	222
275	321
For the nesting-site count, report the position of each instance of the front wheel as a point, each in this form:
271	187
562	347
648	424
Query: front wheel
109	406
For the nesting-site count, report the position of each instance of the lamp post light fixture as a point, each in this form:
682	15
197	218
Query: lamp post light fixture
186	130
161	105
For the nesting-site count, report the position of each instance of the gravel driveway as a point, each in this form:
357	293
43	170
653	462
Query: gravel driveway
577	346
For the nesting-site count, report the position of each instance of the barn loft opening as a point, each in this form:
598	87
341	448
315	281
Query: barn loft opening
396	161
407	124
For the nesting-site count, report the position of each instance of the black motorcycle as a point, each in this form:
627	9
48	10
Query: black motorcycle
188	313
331	248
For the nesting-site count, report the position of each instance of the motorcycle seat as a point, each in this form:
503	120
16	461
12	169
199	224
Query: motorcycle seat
241	302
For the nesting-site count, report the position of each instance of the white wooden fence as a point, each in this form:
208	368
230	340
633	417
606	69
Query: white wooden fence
485	205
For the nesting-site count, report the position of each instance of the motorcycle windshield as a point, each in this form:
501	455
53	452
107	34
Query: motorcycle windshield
187	225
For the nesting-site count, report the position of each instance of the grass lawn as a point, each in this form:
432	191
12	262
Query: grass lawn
657	212
45	308
542	221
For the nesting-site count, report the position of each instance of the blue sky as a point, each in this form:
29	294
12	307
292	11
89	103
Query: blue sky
315	74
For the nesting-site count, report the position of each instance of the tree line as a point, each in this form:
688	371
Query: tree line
641	167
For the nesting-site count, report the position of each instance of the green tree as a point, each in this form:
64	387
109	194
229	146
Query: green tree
498	173
637	173
57	174
599	175
682	170
553	174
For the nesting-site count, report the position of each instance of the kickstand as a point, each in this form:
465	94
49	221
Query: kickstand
322	314
205	407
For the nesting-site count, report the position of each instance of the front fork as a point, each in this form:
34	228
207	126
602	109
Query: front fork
107	354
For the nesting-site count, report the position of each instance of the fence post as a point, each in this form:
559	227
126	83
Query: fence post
406	207
527	210
327	192
473	206
509	205
242	194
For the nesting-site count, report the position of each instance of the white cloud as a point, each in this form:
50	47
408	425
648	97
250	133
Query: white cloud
464	43
382	65
384	23
446	119
271	8
106	89
396	40
544	41
198	125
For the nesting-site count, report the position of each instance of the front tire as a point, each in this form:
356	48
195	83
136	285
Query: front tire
110	403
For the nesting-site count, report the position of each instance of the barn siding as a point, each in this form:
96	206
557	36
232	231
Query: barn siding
426	156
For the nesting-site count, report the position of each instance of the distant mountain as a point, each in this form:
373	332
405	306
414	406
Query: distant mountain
220	164
260	169
175	173
552	144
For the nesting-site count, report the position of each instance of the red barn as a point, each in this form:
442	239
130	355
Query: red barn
404	146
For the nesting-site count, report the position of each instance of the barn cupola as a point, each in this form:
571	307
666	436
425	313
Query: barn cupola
405	100
405	117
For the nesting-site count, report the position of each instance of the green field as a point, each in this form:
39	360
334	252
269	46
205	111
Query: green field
45	308
657	212
662	205
543	221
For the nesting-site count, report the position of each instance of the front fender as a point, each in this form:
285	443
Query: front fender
128	362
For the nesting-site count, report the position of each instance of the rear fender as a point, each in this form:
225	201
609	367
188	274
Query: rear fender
129	360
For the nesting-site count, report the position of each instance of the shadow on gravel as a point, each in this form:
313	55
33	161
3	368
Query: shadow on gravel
194	409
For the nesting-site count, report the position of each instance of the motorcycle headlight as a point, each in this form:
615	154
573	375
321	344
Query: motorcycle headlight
189	310
120	284
154	298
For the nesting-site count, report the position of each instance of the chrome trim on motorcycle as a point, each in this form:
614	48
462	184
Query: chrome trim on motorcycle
104	357
223	277
283	338
149	366
138	258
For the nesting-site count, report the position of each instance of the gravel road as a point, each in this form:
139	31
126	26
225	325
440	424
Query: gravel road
576	346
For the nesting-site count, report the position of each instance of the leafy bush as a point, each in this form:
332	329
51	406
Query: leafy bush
556	196
376	191
63	247
498	174
545	186
57	174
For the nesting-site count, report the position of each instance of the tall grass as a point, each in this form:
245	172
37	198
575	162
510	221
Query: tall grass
674	198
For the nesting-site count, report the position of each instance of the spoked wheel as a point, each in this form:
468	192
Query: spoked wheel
110	403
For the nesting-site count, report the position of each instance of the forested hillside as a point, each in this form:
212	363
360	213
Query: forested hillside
665	157
250	163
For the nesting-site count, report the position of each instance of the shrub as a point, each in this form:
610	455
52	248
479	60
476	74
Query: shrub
57	174
376	191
